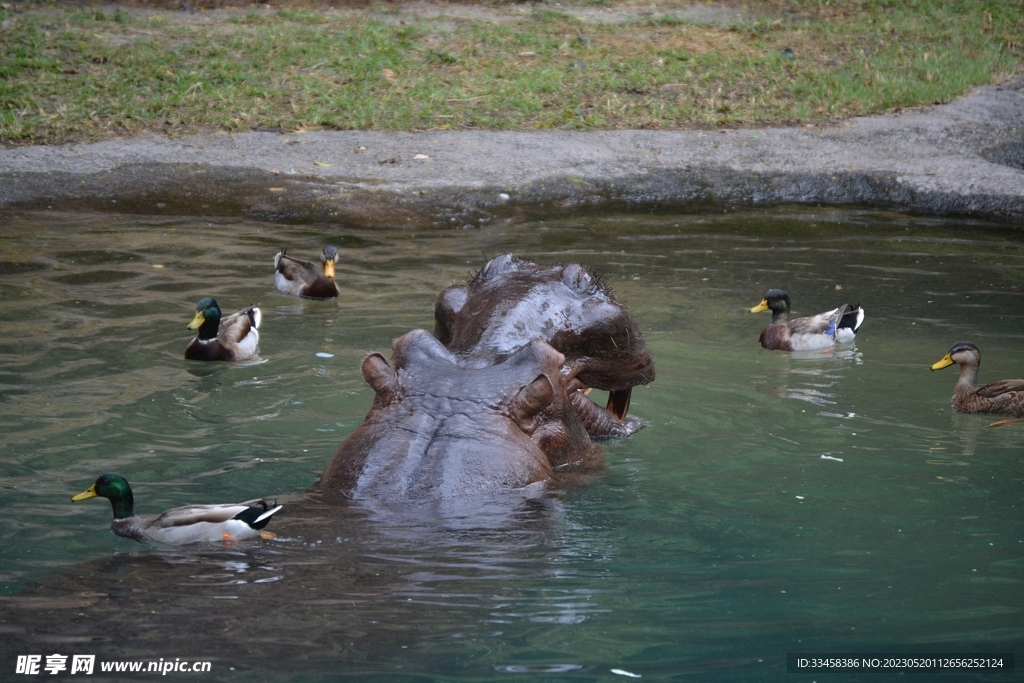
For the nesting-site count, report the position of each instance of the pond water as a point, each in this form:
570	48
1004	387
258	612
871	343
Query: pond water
775	503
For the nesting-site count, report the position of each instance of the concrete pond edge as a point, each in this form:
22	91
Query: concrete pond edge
965	158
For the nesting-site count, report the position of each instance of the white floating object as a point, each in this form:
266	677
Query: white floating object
799	497
323	354
623	672
504	196
421	157
829	457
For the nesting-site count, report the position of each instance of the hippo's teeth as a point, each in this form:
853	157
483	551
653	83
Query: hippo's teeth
586	391
618	402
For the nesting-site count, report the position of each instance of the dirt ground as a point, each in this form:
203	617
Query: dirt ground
710	13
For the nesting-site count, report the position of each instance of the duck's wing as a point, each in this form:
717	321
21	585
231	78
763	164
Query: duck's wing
840	323
1005	397
196	514
823	323
292	274
238	332
240	323
1003	387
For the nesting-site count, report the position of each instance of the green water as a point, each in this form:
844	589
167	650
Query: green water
775	503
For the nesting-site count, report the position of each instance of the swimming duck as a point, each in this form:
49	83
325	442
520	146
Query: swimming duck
305	279
1005	397
178	526
233	338
821	331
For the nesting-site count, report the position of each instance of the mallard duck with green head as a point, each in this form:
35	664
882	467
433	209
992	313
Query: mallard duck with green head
822	331
305	279
231	338
179	526
1005	397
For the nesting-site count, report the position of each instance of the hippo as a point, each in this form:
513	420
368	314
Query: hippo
510	301
496	401
439	429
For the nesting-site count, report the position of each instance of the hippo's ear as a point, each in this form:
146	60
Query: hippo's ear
578	279
378	374
499	265
530	401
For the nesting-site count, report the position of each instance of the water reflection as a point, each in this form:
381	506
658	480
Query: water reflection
814	376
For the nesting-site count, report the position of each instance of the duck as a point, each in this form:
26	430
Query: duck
305	279
182	525
822	331
231	338
1005	397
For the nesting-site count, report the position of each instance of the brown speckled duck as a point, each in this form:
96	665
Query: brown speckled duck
305	279
821	331
231	338
178	526
1005	397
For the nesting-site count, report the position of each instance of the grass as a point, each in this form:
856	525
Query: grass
71	74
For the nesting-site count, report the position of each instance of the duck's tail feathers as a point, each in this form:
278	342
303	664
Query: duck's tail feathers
844	326
255	316
852	318
258	515
265	517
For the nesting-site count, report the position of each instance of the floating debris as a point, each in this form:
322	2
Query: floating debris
537	668
623	672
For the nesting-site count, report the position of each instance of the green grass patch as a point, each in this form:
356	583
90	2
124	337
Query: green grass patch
80	74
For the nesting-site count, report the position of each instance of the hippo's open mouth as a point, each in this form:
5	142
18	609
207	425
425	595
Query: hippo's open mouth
618	399
510	301
606	422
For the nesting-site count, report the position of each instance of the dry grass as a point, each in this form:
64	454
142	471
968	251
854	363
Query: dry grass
85	73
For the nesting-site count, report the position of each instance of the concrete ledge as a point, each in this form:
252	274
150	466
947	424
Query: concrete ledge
964	158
